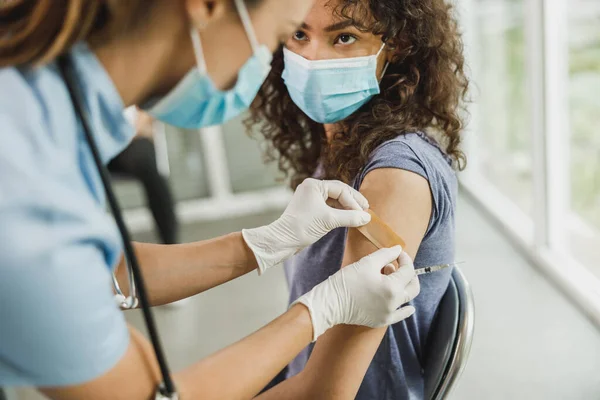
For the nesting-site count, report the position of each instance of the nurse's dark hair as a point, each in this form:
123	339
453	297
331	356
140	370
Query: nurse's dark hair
37	31
424	89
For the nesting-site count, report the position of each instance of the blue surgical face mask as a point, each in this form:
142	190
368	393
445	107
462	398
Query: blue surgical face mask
195	102
329	91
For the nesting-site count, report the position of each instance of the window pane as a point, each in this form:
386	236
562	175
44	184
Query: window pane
504	139
584	37
187	173
186	161
245	159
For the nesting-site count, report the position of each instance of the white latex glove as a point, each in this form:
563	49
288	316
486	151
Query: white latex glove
361	295
306	219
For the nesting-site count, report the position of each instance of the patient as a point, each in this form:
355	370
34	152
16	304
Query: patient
371	92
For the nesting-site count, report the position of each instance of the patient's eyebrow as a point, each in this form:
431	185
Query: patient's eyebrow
344	24
337	26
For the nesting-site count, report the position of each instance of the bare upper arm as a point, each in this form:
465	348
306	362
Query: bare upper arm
403	200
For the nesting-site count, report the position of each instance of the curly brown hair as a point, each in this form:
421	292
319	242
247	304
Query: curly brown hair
424	89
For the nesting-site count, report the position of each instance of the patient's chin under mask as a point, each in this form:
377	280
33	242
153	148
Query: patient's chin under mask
195	102
329	91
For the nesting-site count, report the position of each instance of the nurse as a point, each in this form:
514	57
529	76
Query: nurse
191	63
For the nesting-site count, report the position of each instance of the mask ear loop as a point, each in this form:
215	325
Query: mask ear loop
247	22
387	63
198	51
380	50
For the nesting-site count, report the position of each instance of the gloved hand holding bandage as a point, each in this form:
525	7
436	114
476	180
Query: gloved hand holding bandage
306	219
361	295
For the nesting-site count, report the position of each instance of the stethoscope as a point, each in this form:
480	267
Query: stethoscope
137	289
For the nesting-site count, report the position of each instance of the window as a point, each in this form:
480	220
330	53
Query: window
536	124
584	102
214	173
504	139
186	169
245	159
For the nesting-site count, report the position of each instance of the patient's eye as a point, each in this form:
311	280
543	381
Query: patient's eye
300	36
345	39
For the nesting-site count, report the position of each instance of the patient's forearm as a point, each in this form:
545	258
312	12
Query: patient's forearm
174	272
354	347
294	388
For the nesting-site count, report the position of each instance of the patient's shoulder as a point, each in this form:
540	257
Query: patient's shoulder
414	152
419	154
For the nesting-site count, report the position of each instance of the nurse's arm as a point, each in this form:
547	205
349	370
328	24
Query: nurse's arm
239	371
174	272
342	355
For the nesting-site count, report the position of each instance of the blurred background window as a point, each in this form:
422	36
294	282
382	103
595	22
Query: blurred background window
584	100
187	172
245	159
520	93
504	137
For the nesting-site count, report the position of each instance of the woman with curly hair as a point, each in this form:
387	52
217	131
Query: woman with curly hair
371	92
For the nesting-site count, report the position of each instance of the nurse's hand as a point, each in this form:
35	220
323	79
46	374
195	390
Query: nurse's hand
307	219
361	294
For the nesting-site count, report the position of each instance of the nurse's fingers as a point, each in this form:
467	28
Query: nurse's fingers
412	289
379	259
347	196
406	269
348	218
404	259
389	269
401	314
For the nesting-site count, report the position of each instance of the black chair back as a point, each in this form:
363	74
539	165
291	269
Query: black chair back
450	338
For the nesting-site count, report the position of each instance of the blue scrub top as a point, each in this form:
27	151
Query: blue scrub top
59	324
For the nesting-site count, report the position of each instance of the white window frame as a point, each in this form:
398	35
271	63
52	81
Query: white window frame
542	238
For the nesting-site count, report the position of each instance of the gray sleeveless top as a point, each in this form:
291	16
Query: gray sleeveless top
396	371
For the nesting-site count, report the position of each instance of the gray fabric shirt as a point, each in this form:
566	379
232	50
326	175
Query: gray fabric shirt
396	371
